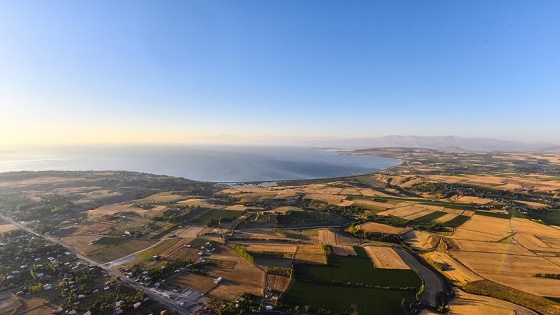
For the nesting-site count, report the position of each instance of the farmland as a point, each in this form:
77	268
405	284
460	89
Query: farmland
114	252
369	301
217	216
490	230
357	270
385	258
347	280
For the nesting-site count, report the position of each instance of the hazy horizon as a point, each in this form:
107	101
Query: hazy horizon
277	72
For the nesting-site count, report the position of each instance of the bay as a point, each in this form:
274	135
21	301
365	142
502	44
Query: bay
198	162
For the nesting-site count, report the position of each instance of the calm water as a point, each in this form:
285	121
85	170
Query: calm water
204	163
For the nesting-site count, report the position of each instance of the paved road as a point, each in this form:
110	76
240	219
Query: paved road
433	284
147	291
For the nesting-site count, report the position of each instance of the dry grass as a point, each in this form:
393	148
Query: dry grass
190	232
8	303
201	283
332	199
115	208
483	228
242	277
471	304
530	241
82	243
278	283
40	303
450	268
176	247
531	227
310	254
418	214
368	192
472	199
7	228
385	258
110	253
489	247
513	270
374	227
421	240
372	205
403	211
236	208
326	237
330	237
260	248
163	197
341	250
446	217
198	203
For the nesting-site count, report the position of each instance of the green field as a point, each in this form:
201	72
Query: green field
547	216
347	280
216	215
357	271
370	301
457	221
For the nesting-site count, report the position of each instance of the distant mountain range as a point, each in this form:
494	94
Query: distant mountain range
447	143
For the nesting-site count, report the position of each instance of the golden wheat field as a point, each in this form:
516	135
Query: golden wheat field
385	257
374	227
450	268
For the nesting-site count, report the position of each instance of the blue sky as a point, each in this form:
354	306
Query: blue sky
196	71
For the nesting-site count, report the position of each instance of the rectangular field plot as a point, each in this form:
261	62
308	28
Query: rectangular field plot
272	249
216	215
310	254
278	283
385	258
457	221
374	227
513	270
329	237
7	228
343	250
447	217
356	270
484	228
369	301
428	218
110	253
201	283
453	270
403	211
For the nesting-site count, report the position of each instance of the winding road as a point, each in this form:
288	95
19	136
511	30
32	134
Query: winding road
433	284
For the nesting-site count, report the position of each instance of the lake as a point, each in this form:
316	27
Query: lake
198	162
